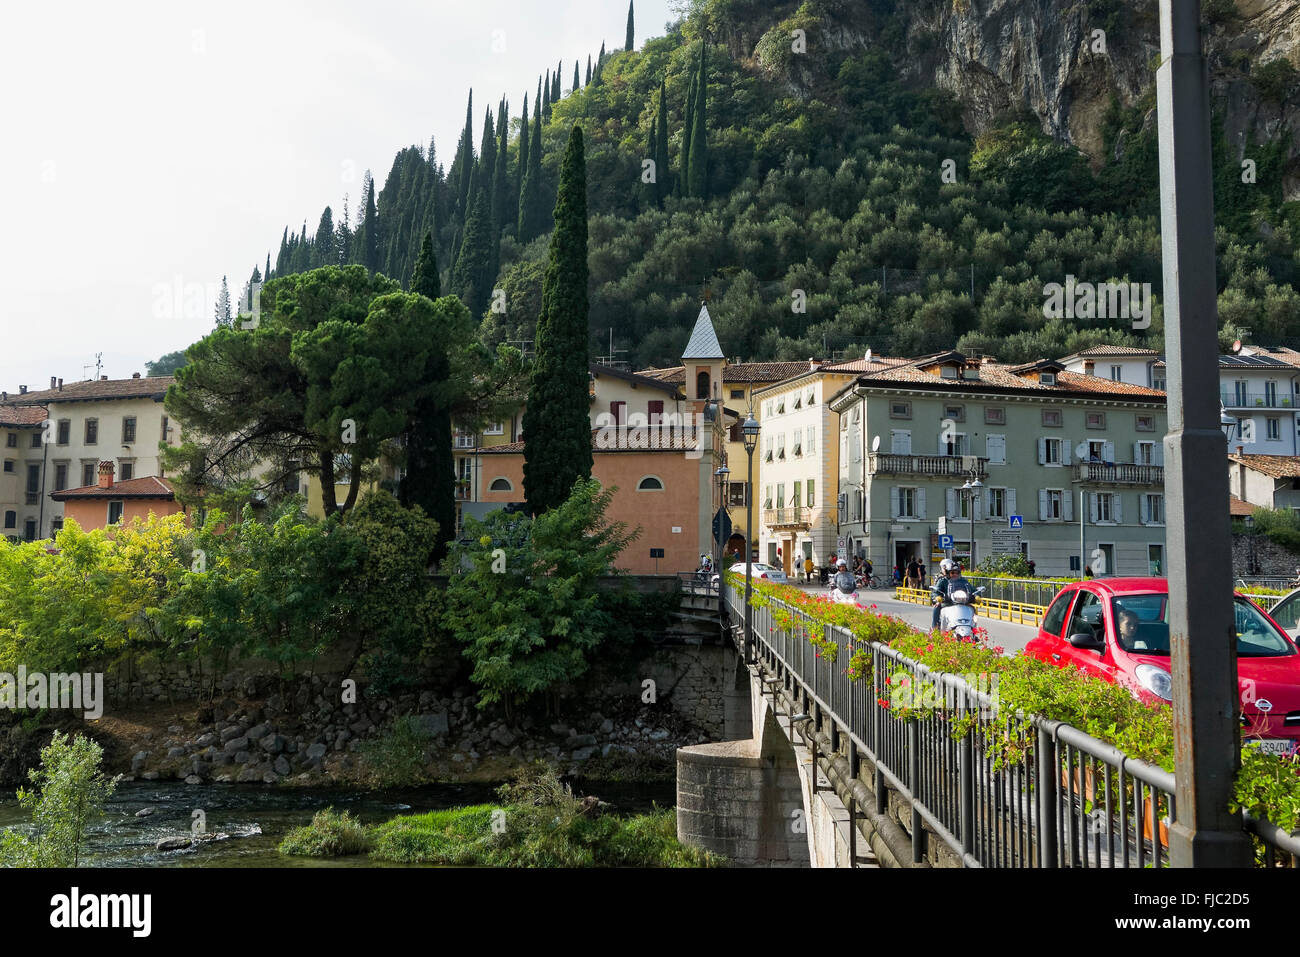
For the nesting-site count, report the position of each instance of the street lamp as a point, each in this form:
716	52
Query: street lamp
972	487
750	430
721	475
1227	423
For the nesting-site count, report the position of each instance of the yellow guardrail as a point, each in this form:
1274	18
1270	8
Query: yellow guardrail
1016	612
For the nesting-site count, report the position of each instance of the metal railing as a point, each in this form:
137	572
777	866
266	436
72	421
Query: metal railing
1013	791
1119	474
791	515
699	583
1233	399
1028	591
887	463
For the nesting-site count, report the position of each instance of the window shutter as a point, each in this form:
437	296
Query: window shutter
987	501
1117	508
1042	502
996	448
842	506
1093	507
920	503
1067	504
1042	455
893	502
1144	509
1011	502
1137	453
950	502
1065	451
1108	452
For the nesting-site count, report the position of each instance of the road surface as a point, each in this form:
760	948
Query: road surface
1011	637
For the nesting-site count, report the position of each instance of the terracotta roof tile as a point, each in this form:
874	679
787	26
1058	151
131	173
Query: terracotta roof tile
18	416
142	388
1237	507
1274	466
998	377
149	486
1114	351
738	372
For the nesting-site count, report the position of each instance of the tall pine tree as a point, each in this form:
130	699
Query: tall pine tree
532	205
588	70
430	467
698	170
546	97
557	427
500	177
464	162
661	145
224	318
631	32
326	251
521	171
576	80
370	242
471	279
555	84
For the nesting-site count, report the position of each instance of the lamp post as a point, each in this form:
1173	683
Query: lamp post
721	475
972	487
1207	742
750	430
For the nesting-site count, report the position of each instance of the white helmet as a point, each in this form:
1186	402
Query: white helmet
946	564
843	564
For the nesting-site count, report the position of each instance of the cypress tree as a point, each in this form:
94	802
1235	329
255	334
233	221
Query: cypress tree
661	145
688	125
588	70
576	79
522	170
487	153
630	31
557	429
326	252
370	246
472	277
267	274
546	97
555	84
500	178
699	155
430	466
532	206
282	260
460	168
600	62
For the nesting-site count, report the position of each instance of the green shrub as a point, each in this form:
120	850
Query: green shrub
1011	566
396	757
1274	79
330	834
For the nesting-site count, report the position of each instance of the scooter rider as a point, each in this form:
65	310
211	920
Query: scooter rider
952	580
844	579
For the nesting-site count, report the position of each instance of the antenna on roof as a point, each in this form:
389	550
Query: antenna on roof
612	359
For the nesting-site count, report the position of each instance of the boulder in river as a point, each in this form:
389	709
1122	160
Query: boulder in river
172	844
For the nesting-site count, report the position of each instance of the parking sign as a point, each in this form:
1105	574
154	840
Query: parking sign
945	541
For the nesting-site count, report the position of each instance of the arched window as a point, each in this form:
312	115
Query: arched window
651	483
501	485
702	384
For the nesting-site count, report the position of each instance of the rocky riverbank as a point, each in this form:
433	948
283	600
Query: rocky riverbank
272	740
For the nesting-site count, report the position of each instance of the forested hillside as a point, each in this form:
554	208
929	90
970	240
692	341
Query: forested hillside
836	182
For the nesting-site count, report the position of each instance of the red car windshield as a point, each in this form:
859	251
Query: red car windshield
1140	627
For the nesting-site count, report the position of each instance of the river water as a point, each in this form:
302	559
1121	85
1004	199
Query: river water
257	818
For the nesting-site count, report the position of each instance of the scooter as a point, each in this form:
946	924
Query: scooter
958	616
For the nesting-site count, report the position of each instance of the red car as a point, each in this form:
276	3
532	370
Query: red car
1115	629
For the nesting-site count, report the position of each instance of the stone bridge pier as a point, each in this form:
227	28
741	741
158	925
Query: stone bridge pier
756	797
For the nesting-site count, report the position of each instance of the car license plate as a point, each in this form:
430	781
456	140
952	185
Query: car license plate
1274	746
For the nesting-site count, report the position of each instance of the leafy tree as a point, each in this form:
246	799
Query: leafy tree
538	625
70	791
557	447
166	365
279	392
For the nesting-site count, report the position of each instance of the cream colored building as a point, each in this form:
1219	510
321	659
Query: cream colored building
105	420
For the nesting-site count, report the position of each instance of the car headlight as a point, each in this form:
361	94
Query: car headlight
1156	680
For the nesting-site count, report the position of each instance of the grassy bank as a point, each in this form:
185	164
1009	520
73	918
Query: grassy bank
539	823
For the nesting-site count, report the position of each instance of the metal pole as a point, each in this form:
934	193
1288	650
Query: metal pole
1206	741
749	557
1083	518
970	508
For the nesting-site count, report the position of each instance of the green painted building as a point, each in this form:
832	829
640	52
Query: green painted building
949	444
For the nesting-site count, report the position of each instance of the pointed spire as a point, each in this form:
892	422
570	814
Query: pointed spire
703	343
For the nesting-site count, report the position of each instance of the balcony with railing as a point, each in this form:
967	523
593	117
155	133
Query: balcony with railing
1234	399
793	516
464	490
1114	474
954	466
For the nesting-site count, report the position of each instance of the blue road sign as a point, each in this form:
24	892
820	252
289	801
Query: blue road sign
1017	521
945	541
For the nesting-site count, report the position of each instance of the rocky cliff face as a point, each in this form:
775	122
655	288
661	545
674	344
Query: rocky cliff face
1046	56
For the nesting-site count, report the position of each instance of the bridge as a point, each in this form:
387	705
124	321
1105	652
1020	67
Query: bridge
827	769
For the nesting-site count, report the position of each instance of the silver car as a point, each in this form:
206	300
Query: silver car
766	572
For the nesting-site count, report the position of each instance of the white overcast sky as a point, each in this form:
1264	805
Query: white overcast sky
150	147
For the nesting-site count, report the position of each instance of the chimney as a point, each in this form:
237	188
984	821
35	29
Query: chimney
135	375
54	381
105	474
60	385
103	378
1088	366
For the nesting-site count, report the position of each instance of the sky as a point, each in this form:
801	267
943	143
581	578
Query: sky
154	146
